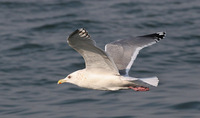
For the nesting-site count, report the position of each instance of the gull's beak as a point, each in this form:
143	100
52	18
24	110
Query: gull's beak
61	81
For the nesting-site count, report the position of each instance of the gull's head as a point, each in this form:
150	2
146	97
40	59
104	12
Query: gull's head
71	78
65	80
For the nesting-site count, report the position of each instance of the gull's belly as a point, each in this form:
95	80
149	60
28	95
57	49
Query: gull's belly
102	82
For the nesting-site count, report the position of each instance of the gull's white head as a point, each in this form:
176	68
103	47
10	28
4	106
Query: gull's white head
71	78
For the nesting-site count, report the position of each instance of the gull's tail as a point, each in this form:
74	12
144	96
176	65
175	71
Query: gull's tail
153	81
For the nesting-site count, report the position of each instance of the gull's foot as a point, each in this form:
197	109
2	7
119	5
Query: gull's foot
139	88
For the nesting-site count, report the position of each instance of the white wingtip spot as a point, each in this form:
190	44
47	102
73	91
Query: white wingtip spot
161	33
81	29
83	33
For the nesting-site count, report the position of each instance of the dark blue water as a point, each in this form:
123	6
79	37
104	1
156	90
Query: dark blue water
34	55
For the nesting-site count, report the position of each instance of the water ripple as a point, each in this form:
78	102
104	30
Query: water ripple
35	55
76	101
193	105
27	46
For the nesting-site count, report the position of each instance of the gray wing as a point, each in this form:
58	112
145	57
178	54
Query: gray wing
95	59
124	52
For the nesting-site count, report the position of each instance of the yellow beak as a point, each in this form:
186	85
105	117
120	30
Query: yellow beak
61	81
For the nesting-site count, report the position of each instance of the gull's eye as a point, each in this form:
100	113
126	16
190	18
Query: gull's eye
69	77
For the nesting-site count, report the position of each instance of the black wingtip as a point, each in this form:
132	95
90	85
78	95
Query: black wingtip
79	31
159	36
156	36
84	33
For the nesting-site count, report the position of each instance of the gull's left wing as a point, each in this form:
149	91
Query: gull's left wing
95	58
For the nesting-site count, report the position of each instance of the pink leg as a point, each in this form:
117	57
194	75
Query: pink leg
139	88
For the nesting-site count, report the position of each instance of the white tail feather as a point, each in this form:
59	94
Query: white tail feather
151	80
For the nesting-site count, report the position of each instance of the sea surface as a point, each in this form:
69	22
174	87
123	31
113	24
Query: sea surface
34	55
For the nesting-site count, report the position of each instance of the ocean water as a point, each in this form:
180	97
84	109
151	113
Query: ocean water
34	55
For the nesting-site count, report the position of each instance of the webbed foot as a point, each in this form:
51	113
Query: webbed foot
139	88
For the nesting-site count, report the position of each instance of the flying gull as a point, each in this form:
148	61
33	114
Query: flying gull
108	70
